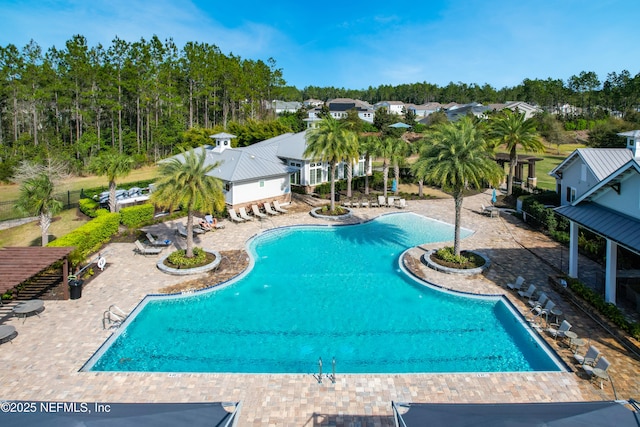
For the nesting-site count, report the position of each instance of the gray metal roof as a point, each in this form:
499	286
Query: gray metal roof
604	161
620	228
293	146
242	164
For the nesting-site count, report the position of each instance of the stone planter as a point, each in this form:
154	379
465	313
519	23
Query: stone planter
315	212
426	259
187	271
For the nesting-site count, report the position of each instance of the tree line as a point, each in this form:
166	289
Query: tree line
148	98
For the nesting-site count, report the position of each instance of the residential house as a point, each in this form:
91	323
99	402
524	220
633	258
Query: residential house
424	110
456	112
522	107
600	191
312	103
393	107
285	106
338	109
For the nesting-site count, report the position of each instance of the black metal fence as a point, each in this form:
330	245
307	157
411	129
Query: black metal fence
70	200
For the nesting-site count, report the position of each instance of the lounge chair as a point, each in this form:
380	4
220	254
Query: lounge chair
381	201
257	213
539	310
390	201
182	230
517	284
243	214
234	216
374	203
143	250
213	222
268	209
401	203
279	208
542	299
154	242
602	365
560	332
346	203
528	293
589	357
364	203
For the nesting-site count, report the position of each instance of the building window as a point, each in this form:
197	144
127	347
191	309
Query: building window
227	186
583	173
315	177
261	184
571	194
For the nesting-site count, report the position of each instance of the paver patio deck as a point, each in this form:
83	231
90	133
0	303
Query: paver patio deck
43	361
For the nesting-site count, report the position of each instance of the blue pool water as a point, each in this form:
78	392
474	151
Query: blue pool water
328	292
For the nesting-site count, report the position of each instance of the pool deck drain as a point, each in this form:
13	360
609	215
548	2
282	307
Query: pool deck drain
42	362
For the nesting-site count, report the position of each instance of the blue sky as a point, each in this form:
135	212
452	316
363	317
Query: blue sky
356	44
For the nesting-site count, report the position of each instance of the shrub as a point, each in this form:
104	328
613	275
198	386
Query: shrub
88	207
178	259
89	237
446	254
135	216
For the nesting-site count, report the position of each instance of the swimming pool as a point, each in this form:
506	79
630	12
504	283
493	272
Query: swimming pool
317	291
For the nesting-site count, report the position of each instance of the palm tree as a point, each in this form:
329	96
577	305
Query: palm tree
113	166
513	130
36	198
399	153
368	145
333	142
184	180
385	149
456	157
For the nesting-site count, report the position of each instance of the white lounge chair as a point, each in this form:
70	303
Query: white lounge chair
542	299
539	310
234	216
381	201
517	284
390	201
182	230
279	208
268	209
589	357
602	365
243	214
154	242
528	293
401	203
560	332
213	222
374	203
364	203
143	250
257	213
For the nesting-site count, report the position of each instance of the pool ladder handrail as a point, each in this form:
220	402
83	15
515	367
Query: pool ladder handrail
113	317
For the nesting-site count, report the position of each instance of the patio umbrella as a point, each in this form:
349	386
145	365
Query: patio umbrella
400	125
494	198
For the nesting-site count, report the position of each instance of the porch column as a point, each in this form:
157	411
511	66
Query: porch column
611	272
573	249
532	181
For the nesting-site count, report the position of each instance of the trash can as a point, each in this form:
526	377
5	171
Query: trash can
337	197
75	289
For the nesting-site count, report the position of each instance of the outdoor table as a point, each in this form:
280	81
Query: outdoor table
493	211
576	342
7	333
570	336
557	313
27	308
600	374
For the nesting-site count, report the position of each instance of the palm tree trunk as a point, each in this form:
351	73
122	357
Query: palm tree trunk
45	222
332	171
366	174
112	196
457	197
396	172
513	162
420	187
189	252
349	177
385	177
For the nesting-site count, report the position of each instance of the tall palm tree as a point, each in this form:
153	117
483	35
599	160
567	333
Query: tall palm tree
368	145
399	154
456	157
332	141
184	180
113	166
385	149
36	198
513	130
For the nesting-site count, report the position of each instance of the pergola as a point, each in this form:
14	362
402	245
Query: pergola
530	161
20	264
